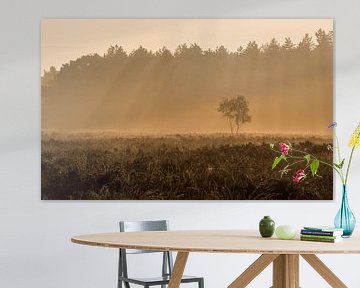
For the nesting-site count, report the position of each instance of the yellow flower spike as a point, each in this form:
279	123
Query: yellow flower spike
355	138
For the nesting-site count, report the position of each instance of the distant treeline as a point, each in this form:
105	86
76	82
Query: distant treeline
180	90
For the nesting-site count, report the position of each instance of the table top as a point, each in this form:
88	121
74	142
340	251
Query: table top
217	241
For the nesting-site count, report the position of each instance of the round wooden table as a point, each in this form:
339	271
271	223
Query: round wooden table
284	254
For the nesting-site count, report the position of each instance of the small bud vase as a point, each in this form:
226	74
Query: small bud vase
266	227
345	219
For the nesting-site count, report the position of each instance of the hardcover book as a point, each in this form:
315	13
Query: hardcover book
323	228
321	233
325	240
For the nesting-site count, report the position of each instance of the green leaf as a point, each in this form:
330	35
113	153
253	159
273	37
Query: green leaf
340	165
271	145
276	162
307	157
314	166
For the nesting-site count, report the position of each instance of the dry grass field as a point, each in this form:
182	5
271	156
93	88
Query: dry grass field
108	166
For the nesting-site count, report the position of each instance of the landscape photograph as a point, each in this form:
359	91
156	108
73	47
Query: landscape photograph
185	109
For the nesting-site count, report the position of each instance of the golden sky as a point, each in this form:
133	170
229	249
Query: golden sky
63	40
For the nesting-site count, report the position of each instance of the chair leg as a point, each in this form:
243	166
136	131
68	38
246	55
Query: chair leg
201	283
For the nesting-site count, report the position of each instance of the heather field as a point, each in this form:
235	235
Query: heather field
110	166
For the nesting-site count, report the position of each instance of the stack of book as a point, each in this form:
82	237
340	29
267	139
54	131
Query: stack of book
321	234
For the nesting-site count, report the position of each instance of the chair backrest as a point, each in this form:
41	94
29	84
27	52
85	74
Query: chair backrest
138	226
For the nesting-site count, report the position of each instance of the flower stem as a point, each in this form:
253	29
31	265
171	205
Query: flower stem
323	162
350	159
339	160
296	162
348	167
338	149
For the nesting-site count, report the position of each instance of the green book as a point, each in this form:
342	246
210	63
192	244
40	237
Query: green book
319	236
324	240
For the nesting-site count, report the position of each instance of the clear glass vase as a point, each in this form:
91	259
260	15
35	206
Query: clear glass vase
345	219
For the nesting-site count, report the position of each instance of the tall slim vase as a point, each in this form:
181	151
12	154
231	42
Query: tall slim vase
345	219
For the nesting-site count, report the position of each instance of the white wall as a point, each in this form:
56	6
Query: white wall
35	248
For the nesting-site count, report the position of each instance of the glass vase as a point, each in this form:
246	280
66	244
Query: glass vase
345	219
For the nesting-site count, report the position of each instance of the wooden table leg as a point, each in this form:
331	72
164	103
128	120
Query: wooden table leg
293	262
279	271
253	270
178	269
324	271
286	271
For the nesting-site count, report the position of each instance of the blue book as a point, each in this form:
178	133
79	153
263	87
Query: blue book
322	231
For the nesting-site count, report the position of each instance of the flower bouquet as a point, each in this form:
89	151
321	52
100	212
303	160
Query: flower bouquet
308	165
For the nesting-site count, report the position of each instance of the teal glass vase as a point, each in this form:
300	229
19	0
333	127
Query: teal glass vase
345	219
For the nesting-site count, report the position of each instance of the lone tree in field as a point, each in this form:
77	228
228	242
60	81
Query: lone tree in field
236	110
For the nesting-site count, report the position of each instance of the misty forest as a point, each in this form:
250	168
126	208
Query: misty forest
189	124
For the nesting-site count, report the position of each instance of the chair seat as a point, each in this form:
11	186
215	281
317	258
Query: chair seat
158	280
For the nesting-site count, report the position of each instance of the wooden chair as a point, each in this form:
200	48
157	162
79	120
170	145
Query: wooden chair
167	262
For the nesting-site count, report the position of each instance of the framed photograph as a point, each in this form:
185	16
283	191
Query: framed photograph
184	109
